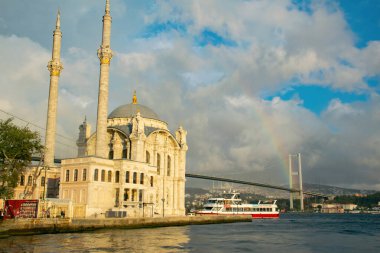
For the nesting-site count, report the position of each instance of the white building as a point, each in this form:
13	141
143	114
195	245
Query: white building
132	164
145	167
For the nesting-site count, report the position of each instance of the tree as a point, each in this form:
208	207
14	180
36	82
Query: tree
17	146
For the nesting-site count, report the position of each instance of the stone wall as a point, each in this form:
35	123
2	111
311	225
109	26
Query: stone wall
63	225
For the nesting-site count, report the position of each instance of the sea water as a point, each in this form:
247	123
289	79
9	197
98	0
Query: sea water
290	233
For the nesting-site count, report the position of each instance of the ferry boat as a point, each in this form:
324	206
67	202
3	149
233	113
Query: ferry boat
231	204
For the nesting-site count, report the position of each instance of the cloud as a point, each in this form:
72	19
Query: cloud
213	89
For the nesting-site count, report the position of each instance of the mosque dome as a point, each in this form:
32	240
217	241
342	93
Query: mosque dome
129	110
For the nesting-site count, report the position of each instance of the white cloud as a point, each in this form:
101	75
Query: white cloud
214	91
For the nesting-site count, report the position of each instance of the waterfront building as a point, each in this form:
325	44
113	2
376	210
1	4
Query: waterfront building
132	164
45	185
143	172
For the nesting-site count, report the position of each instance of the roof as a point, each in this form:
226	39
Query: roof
129	110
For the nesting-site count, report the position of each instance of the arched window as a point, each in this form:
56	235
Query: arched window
96	175
135	177
22	180
75	175
67	176
158	164
169	165
127	180
147	157
84	175
141	178
109	176
103	176
117	176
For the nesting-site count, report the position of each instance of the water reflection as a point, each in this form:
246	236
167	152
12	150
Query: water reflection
296	233
171	239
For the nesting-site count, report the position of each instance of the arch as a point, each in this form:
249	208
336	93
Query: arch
141	178
96	175
92	142
67	179
134	177
76	175
127	180
168	134
103	176
117	176
109	176
84	175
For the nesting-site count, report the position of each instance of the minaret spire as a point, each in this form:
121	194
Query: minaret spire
54	66
105	55
107	6
58	22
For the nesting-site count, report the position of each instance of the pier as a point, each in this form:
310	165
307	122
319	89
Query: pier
16	227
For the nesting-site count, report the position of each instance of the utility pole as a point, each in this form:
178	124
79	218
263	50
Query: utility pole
290	183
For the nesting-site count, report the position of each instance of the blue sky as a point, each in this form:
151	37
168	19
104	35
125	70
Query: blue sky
251	81
315	98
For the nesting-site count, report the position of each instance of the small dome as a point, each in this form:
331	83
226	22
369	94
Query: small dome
129	110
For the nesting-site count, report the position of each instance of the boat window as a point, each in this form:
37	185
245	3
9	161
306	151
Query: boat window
208	208
211	201
228	196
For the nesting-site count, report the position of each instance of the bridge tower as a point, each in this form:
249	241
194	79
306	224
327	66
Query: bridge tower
291	174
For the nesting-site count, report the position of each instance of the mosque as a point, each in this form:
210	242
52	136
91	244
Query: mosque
132	164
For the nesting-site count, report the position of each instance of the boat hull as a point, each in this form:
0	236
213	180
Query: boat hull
253	215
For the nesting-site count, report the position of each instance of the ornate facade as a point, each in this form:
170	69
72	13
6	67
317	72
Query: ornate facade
143	174
131	163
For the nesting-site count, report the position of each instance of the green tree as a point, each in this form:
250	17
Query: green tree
17	146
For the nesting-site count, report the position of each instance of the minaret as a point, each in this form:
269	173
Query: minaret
105	55
55	66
